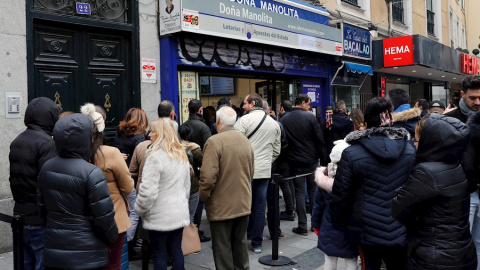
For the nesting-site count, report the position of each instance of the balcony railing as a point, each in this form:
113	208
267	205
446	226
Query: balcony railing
398	12
431	22
351	2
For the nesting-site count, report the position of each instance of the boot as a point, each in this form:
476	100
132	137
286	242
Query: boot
132	254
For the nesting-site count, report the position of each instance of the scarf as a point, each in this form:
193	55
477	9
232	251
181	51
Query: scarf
464	108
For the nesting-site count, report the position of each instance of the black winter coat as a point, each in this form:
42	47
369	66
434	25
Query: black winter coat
471	158
201	132
457	113
127	144
434	203
376	164
304	136
76	198
28	152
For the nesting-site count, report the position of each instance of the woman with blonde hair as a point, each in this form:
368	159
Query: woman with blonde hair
163	195
120	183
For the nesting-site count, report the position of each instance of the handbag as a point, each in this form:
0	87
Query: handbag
191	240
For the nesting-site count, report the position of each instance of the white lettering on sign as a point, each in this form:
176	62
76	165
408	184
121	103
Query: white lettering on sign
245	13
272	7
396	50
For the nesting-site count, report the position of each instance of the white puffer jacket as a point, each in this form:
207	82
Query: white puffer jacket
162	199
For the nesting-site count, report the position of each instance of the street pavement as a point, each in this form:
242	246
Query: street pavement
301	249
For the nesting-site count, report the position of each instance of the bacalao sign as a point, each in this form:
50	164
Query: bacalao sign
398	51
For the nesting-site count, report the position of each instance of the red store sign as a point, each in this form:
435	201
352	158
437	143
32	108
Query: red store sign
469	64
398	51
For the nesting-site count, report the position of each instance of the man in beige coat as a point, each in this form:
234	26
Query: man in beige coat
266	145
225	188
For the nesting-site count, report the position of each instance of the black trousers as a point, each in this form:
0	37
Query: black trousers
395	258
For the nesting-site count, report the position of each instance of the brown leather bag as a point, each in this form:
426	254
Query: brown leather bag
191	240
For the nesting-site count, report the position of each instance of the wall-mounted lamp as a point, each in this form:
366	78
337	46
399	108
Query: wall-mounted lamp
372	28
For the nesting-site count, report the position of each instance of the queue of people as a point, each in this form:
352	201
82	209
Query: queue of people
394	184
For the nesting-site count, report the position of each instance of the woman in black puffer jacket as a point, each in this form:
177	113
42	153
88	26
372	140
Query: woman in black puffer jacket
434	202
371	169
75	195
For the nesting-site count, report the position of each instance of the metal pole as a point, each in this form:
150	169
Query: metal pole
17	229
274	259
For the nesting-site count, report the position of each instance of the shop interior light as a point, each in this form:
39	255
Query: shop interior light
429	74
399	79
414	71
443	76
454	78
395	67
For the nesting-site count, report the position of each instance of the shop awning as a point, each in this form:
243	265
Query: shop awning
344	75
359	68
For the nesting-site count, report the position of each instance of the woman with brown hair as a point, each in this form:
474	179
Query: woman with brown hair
357	116
130	132
111	162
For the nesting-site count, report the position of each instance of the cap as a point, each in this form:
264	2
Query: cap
437	104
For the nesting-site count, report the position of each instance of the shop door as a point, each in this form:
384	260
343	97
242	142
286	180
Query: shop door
77	65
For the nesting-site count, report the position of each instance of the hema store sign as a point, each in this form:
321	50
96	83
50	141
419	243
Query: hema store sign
281	23
398	51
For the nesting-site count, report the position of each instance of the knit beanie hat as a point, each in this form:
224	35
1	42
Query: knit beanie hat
89	110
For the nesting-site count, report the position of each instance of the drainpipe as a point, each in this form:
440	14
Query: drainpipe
390	17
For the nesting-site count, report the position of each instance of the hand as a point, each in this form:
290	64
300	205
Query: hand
316	231
272	113
449	108
125	156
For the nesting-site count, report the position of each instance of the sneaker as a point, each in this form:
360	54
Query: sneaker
285	216
256	250
300	231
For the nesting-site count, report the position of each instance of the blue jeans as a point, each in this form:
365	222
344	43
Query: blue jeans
161	242
33	247
256	221
474	220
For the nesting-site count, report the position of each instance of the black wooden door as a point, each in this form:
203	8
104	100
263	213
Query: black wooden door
75	65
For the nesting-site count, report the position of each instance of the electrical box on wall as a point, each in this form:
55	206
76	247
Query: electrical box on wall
12	105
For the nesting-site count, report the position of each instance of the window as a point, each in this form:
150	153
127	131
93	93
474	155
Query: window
463	4
430	18
352	2
398	11
464	42
459	43
451	29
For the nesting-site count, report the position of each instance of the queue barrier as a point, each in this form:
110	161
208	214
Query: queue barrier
17	224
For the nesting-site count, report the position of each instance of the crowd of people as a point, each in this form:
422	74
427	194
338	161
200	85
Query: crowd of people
396	184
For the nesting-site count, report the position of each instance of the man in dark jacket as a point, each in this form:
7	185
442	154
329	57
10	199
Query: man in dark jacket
28	152
371	169
201	133
433	203
305	148
75	196
470	101
339	126
468	107
404	116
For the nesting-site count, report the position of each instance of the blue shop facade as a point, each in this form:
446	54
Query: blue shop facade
231	48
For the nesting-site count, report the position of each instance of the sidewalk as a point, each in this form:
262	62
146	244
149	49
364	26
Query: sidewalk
301	249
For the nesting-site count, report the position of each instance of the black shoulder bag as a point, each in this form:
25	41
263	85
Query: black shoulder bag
259	125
